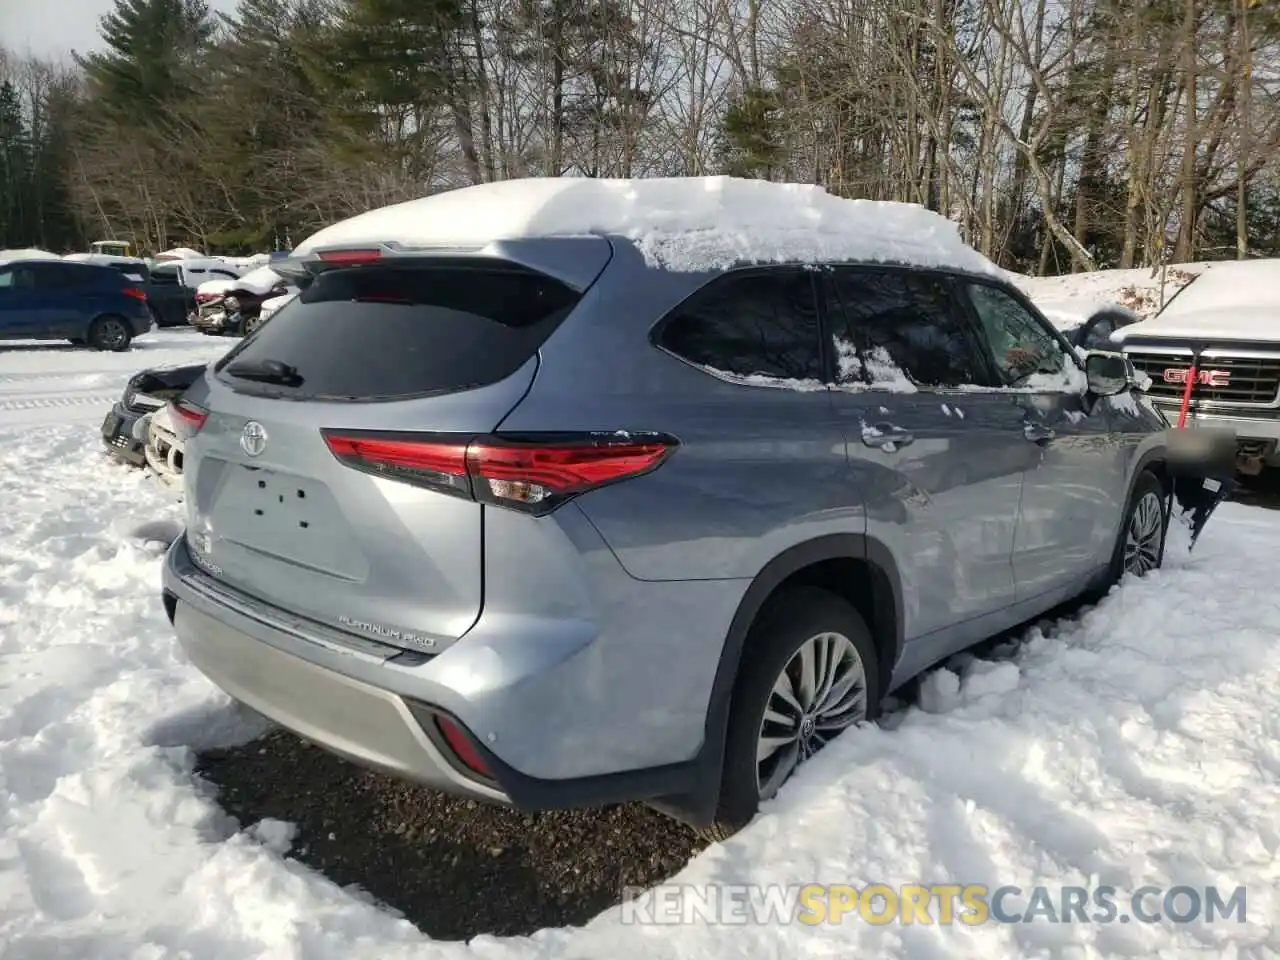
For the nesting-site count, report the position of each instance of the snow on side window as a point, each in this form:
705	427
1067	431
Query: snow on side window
898	330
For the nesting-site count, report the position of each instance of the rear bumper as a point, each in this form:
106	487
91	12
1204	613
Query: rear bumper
357	720
565	718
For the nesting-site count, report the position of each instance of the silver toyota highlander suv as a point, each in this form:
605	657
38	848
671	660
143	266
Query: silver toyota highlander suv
541	520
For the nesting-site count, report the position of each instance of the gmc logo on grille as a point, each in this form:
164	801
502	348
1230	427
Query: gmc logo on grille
1205	378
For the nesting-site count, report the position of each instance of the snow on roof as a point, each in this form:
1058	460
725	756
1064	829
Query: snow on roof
180	253
1233	300
680	223
259	281
27	253
104	259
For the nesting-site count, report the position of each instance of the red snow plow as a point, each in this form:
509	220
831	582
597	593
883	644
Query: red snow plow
1202	459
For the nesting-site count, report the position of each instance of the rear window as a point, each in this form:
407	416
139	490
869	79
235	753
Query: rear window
393	332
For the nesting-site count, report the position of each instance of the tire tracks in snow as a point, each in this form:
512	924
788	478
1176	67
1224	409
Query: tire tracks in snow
54	407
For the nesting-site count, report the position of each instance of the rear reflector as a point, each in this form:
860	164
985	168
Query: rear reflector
188	417
350	258
529	473
462	747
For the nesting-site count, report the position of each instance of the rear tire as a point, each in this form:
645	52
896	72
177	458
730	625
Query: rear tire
110	333
809	672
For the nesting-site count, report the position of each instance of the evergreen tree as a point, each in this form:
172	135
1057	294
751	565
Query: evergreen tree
153	47
15	170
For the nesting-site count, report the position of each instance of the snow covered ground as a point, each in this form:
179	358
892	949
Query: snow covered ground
1136	745
45	383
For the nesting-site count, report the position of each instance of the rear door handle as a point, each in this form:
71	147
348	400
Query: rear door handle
1037	432
885	436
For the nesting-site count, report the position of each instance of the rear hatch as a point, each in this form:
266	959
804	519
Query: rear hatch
411	355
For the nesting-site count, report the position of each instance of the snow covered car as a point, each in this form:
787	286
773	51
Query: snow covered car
126	426
1215	349
595	490
234	306
271	306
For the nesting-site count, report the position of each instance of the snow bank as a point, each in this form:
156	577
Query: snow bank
680	223
1068	301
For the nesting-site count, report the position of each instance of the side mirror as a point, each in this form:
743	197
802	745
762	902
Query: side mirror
1108	374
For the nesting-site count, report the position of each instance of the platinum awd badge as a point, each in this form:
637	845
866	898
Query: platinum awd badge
392	635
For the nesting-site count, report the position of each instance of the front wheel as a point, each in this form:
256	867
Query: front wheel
1139	548
809	673
110	333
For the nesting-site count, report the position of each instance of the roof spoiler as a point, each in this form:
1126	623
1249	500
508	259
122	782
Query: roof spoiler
304	267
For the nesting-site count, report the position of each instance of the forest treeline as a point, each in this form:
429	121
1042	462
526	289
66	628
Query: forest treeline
1060	134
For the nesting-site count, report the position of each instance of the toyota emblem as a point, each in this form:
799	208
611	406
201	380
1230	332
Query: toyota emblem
253	439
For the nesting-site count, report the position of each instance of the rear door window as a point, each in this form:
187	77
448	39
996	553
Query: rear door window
902	328
751	325
400	331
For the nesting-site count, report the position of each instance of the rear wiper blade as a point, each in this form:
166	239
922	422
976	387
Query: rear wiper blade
266	371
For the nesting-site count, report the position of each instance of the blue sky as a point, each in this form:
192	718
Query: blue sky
53	28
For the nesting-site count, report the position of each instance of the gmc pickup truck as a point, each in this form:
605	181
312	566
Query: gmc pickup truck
1224	325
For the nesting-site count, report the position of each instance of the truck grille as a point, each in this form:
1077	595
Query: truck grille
1236	381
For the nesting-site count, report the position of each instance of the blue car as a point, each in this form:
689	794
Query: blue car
63	300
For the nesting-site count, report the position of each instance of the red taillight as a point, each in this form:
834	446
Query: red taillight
136	292
432	464
530	474
350	258
462	747
189	417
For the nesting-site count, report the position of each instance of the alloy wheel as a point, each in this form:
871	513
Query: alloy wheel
820	692
112	333
1145	535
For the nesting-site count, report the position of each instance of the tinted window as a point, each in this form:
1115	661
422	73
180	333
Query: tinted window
165	275
1021	345
759	324
894	325
60	276
18	278
386	332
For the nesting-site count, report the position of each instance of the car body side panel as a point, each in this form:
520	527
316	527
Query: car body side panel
1073	494
946	505
759	468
